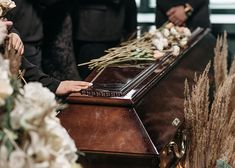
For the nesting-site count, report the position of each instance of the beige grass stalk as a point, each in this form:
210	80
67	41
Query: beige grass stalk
211	131
216	125
220	60
196	114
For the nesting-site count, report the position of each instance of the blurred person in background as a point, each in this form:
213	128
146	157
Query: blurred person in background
27	21
31	31
190	13
99	25
58	52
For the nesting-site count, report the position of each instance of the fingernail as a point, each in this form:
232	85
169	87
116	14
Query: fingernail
90	84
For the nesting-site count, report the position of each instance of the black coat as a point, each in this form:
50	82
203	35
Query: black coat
199	17
27	21
33	74
104	20
27	18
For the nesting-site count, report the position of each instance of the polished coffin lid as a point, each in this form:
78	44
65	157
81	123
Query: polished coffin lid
125	85
140	122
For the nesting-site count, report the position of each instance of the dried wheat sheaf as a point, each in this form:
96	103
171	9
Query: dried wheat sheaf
211	128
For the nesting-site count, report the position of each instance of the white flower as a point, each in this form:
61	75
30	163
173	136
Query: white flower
5	6
175	50
3	30
165	42
183	41
5	90
152	30
60	140
158	54
169	25
3	156
40	95
166	32
30	109
1	12
173	31
61	162
186	32
17	159
26	114
9	4
158	44
158	35
38	148
5	84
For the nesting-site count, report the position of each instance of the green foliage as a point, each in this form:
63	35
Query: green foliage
5	122
222	164
6	117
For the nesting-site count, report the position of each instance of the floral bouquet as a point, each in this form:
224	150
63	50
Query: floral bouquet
31	135
152	46
5	6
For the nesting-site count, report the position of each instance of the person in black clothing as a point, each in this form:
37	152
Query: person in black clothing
99	25
28	23
33	73
27	18
58	52
174	11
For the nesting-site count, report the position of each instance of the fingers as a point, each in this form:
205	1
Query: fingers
177	15
78	88
171	11
67	87
176	20
15	43
172	18
82	83
22	49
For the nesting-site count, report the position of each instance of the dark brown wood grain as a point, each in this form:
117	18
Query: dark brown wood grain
129	131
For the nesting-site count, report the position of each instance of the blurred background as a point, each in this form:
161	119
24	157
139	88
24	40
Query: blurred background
222	17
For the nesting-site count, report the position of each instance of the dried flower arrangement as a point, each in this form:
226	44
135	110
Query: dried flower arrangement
211	128
31	135
5	6
151	46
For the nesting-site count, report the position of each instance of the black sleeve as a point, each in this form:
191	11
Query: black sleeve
32	74
47	3
13	30
111	2
196	4
164	5
130	23
97	1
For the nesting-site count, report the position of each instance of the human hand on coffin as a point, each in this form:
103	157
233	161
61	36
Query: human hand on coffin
177	15
67	87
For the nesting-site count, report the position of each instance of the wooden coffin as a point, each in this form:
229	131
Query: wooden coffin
134	128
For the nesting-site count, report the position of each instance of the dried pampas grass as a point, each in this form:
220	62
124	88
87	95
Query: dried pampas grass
220	60
211	130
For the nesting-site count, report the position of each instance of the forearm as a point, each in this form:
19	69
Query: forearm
32	74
